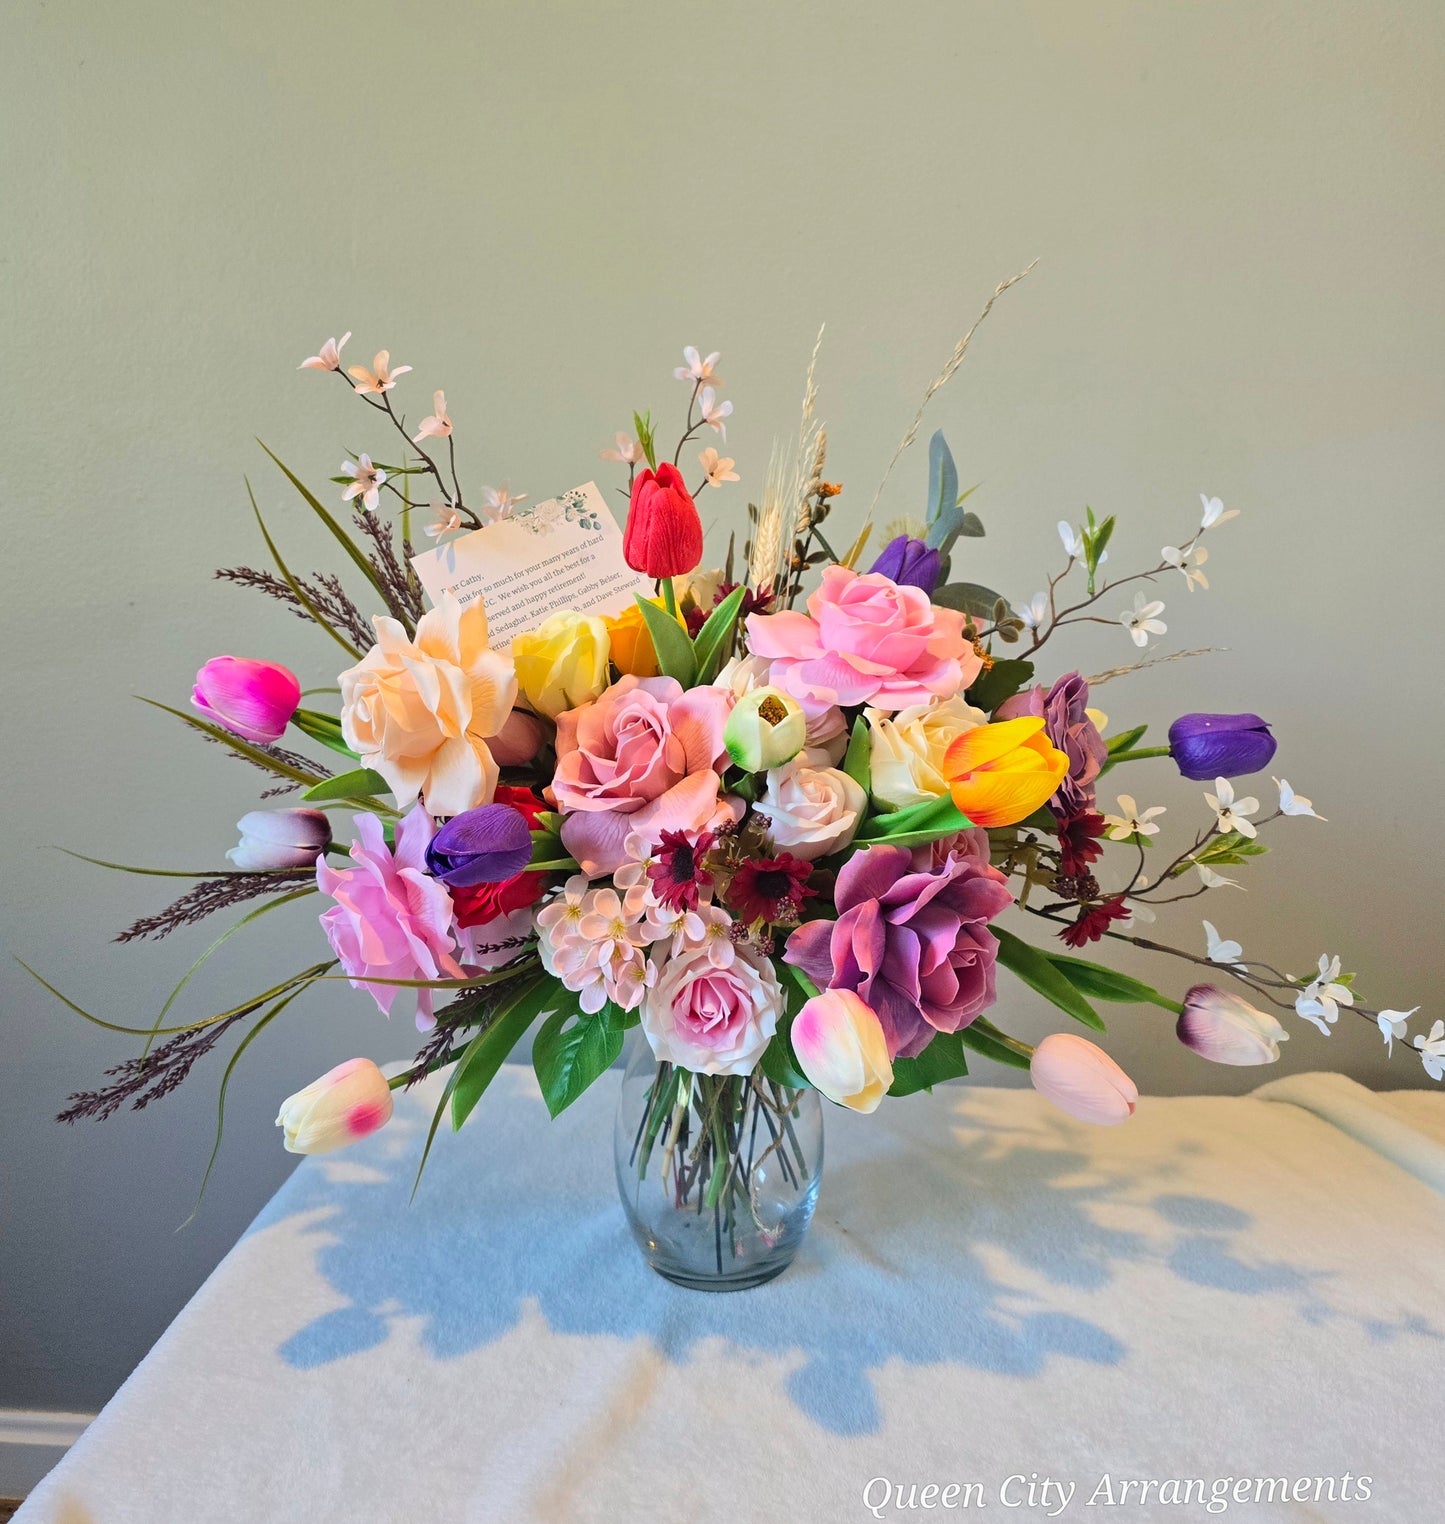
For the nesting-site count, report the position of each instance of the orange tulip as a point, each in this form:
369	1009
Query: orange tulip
632	642
1001	773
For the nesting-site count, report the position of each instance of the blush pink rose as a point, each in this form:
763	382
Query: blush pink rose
866	640
645	757
391	919
712	1020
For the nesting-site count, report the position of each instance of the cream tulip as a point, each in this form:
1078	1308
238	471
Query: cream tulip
345	1104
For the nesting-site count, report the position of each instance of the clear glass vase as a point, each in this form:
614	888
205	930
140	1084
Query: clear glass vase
718	1174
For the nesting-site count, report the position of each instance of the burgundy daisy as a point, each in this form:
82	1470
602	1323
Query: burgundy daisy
1079	843
1094	922
677	872
770	889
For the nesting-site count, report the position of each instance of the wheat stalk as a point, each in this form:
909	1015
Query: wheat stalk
941	379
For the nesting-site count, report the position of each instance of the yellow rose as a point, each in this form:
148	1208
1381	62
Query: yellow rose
907	750
419	710
562	663
631	641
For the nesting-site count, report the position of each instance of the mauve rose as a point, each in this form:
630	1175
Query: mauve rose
1070	730
914	944
865	640
645	757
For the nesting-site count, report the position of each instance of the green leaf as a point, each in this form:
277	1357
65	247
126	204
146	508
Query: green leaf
1000	682
943	1059
779	1062
714	639
1231	847
968	597
642	423
1127	740
983	1038
486	1052
1035	969
299	592
669	640
568	1058
359	784
1100	983
236	744
970	525
363	565
326	730
1099	541
916	826
857	763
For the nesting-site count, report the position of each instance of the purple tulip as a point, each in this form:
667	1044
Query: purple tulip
487	845
910	563
273	839
1209	746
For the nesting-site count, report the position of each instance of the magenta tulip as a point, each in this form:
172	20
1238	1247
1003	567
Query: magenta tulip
253	699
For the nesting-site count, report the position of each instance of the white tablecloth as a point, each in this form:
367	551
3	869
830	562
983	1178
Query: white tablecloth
1222	1289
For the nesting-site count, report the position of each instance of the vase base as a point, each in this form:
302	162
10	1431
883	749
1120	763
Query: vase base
742	1280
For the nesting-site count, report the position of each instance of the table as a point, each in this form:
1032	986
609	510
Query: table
1221	1289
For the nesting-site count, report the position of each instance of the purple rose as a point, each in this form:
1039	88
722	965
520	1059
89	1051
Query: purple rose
487	845
1069	728
913	944
909	563
1209	746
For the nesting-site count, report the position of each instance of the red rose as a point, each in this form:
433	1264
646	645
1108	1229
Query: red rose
664	533
485	902
522	799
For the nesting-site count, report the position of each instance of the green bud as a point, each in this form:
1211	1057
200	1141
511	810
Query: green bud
766	728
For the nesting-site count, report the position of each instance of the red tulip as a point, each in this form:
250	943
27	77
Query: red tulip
664	533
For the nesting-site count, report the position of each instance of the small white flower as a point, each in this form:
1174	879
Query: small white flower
1291	803
1232	813
1034	612
1073	541
1188	562
697	370
367	482
1131	820
1140	914
714	412
1432	1051
1392	1025
1143	620
1220	951
1321	998
628	451
447	519
1215	512
500	502
1213	880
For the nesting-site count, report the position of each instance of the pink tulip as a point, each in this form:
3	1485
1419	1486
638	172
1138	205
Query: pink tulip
345	1104
1227	1030
1083	1080
840	1046
255	699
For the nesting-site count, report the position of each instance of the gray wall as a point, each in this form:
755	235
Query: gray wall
1238	214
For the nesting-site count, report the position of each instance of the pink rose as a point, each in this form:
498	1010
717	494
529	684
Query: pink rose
866	640
645	757
712	1020
391	919
811	811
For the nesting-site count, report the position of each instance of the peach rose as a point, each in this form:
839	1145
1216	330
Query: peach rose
419	710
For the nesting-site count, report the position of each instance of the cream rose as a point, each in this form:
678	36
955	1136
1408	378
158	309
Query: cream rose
907	748
810	810
419	711
562	663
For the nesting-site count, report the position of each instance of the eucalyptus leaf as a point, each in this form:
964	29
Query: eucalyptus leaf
1000	682
969	598
942	480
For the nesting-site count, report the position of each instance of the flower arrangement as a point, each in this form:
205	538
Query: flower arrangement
788	817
